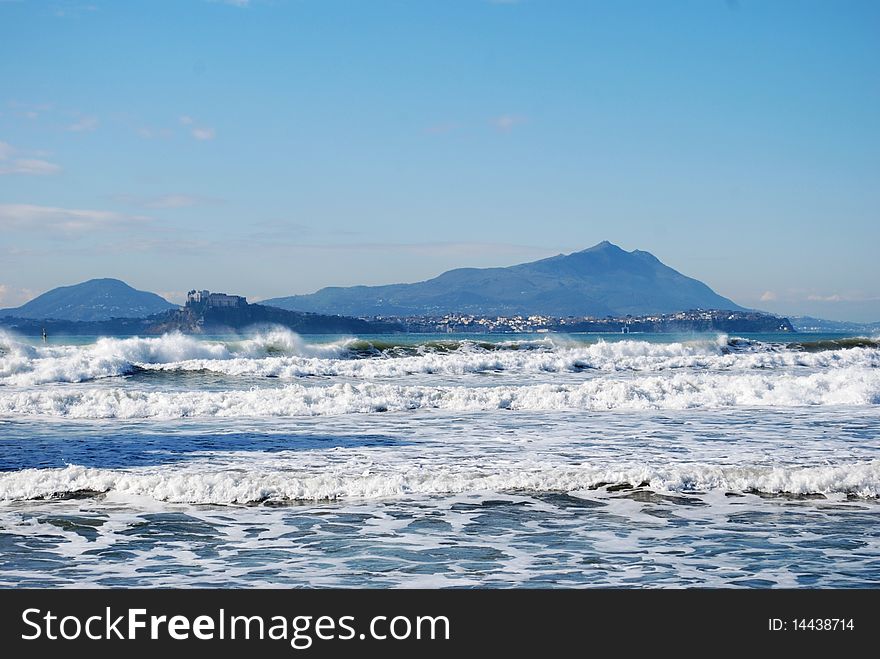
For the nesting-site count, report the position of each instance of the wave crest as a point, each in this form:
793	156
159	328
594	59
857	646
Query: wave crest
227	487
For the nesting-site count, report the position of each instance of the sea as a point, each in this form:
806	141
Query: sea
269	459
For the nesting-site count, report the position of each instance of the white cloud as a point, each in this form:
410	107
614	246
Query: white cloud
30	217
825	298
11	296
768	296
507	122
203	134
242	4
177	297
9	164
84	125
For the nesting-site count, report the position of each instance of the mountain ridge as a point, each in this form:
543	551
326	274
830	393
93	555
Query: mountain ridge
603	280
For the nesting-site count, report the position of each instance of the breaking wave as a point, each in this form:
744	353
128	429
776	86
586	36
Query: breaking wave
238	486
283	354
23	364
844	386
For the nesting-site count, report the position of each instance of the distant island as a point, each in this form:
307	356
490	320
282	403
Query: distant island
203	313
220	313
92	300
603	280
600	289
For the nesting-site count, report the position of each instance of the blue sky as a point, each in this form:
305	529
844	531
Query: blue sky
274	147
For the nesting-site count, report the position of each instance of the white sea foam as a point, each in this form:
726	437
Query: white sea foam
23	364
849	386
244	486
283	354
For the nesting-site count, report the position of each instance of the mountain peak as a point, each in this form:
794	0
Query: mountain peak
108	280
606	248
99	282
604	245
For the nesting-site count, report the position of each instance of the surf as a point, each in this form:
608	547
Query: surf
216	486
279	353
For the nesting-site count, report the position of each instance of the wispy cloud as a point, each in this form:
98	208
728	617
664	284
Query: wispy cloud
31	167
29	110
507	122
70	9
851	296
84	124
202	133
173	201
769	296
12	162
165	201
242	4
13	296
844	297
30	217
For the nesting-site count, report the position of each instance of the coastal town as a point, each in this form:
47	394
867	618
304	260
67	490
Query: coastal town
697	320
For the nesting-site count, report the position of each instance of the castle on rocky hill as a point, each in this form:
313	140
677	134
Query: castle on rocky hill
205	299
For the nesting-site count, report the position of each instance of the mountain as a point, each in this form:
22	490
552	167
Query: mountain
96	299
600	281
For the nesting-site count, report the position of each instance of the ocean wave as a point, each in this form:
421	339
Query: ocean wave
845	343
852	386
239	486
23	364
599	357
283	354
